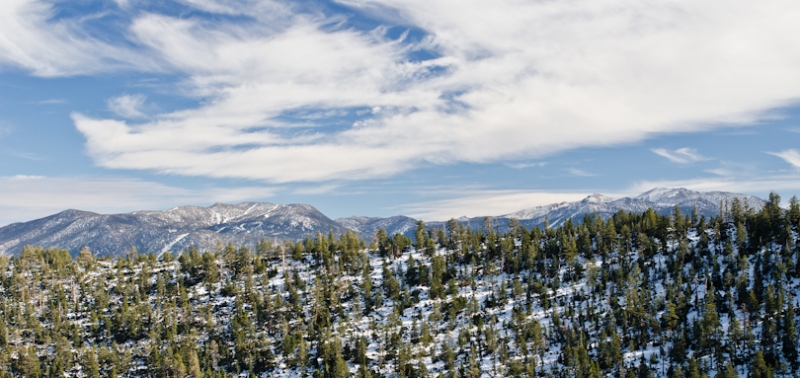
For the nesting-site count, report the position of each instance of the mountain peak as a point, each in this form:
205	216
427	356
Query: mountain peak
75	212
666	194
174	229
597	198
248	222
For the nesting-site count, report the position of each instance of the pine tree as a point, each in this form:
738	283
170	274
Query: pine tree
177	367
677	372
390	285
340	368
729	371
3	333
710	322
363	372
29	364
759	367
92	366
193	367
790	337
693	369
420	236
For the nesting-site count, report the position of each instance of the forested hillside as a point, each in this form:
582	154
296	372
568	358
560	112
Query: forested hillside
637	295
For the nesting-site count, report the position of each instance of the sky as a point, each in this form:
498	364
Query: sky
427	108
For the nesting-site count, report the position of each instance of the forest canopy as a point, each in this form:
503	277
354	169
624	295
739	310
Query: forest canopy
634	295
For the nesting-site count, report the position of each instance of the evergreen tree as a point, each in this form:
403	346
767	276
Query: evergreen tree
600	281
92	365
729	371
790	338
28	363
759	367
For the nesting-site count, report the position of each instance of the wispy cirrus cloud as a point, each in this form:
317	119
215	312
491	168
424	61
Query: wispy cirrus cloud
682	155
580	172
31	37
53	101
494	89
520	165
315	190
791	156
27	155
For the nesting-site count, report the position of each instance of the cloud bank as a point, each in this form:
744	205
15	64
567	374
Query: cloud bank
487	203
31	197
501	80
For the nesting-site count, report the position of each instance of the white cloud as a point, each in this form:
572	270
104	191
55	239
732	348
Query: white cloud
579	172
487	202
477	202
731	176
314	190
128	106
53	101
790	156
682	155
526	165
31	197
32	39
474	203
512	81
27	155
23	177
720	171
234	7
783	184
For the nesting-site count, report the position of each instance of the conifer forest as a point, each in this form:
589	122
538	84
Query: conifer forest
636	295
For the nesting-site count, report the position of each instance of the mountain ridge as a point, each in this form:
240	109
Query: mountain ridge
248	222
177	228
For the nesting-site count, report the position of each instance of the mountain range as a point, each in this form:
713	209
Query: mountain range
246	223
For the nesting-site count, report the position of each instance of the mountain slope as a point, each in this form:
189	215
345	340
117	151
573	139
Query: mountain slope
555	304
246	223
174	229
662	200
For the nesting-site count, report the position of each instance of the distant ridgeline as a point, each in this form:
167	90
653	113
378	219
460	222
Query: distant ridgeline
246	224
632	295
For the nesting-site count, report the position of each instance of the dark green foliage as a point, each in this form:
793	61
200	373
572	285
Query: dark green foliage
759	367
583	299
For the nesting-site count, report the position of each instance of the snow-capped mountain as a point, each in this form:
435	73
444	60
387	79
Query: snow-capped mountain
662	200
705	201
458	309
174	229
589	204
246	223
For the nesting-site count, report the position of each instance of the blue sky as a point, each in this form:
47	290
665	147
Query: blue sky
433	109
